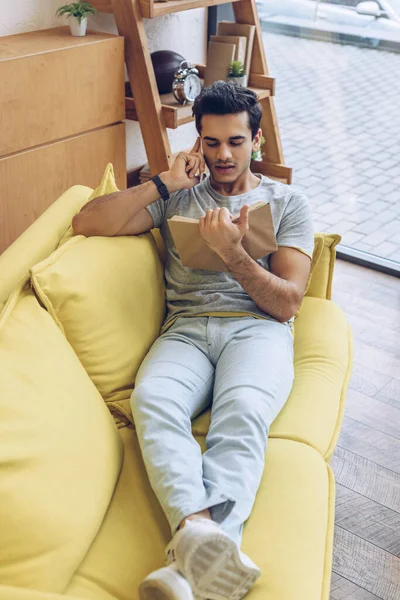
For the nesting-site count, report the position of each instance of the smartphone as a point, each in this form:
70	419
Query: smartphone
202	175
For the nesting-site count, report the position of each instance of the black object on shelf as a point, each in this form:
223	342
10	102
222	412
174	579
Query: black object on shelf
165	63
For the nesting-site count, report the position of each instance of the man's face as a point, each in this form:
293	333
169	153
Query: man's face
227	145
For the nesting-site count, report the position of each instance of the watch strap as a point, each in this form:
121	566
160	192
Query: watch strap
162	188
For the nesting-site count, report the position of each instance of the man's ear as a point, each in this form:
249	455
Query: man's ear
257	140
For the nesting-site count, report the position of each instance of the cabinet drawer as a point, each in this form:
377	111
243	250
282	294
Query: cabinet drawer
54	85
34	179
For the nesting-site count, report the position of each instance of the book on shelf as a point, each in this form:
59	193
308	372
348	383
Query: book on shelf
240	29
219	57
193	251
240	42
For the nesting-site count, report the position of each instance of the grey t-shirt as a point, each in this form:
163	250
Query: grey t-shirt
198	292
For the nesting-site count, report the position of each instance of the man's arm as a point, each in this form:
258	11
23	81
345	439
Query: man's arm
278	293
120	213
124	213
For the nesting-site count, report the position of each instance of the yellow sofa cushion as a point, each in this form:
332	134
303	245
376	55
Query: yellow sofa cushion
322	358
60	453
13	593
320	282
107	296
107	186
318	248
291	541
39	240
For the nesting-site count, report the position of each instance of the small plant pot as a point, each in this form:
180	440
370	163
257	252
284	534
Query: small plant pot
257	155
78	29
239	80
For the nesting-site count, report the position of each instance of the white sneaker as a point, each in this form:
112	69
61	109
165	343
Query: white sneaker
211	561
165	584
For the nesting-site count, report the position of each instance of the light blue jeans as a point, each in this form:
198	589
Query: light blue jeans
243	368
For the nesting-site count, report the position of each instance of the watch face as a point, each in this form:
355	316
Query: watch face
192	87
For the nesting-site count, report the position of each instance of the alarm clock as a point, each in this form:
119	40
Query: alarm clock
165	63
187	84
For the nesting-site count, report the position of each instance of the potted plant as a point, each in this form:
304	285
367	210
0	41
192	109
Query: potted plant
77	12
257	154
236	73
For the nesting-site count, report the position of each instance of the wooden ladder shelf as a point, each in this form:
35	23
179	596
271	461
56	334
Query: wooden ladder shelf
156	112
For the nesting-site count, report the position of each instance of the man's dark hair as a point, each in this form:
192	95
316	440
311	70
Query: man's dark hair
226	98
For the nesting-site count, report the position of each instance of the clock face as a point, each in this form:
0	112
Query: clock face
192	87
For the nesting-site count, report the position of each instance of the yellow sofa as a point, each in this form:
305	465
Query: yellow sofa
78	517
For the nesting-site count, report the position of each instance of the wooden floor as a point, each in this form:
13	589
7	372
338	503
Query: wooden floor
366	463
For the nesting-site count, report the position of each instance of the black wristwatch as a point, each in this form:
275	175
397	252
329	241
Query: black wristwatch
162	188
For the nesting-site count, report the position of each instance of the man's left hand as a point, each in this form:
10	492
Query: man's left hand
220	234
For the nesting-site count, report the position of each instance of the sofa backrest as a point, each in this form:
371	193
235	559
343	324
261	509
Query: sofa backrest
39	240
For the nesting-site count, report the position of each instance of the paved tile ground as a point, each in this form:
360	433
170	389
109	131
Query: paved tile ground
338	112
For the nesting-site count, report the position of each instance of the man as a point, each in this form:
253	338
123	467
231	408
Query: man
227	340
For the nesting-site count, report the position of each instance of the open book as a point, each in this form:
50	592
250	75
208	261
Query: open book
194	253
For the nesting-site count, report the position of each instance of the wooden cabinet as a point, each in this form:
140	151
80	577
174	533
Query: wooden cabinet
62	100
31	180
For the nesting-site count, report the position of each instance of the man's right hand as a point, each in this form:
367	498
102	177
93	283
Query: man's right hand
182	174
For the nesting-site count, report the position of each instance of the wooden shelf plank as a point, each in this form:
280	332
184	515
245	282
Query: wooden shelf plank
256	80
30	43
263	82
176	115
150	9
261	92
274	171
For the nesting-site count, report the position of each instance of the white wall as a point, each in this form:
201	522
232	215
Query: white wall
184	32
